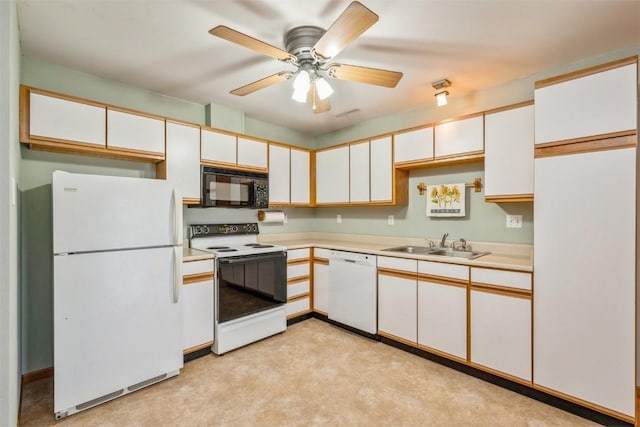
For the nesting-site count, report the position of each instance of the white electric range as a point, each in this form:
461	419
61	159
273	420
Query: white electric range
250	283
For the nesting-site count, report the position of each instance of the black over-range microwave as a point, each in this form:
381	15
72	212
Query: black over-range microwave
234	188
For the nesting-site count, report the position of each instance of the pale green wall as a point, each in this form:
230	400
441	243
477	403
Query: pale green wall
9	216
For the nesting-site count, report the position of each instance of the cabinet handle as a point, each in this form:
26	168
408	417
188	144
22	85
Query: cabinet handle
177	218
177	273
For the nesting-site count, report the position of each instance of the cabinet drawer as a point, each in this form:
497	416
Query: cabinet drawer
451	271
511	279
298	270
298	306
401	264
298	288
190	268
321	253
294	254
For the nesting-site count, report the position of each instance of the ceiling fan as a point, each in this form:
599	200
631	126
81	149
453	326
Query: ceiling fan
310	49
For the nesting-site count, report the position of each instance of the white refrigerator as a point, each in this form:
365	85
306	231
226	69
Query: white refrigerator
117	246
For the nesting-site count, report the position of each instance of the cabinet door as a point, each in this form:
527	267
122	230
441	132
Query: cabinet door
459	137
197	325
397	307
279	174
218	147
508	152
66	120
321	287
584	263
252	153
300	177
359	172
413	146
381	170
442	317
135	132
332	175
596	104
501	333
183	160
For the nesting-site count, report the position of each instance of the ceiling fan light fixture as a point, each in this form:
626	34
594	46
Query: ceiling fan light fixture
301	85
441	98
324	89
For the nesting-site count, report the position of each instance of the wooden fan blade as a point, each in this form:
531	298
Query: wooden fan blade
262	83
372	76
355	20
318	105
249	42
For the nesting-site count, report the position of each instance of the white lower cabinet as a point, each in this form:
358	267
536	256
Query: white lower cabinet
197	305
298	282
397	305
501	333
442	307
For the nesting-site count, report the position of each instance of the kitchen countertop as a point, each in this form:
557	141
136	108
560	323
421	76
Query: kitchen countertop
503	255
189	254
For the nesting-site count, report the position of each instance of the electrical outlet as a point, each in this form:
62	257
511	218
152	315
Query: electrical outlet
514	221
285	219
339	219
390	220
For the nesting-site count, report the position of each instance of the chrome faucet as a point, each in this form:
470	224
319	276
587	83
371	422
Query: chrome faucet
444	240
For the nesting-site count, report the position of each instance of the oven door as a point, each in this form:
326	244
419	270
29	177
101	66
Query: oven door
250	284
221	190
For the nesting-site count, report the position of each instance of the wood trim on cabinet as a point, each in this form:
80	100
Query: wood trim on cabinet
442	280
586	72
197	347
458	118
25	108
397	273
298	314
197	278
585	403
190	201
509	198
502	290
37	375
397	338
298	279
466	156
509	107
299	297
497	373
92	150
400	188
449	160
232	165
28	89
298	261
134	112
610	141
323	261
443	354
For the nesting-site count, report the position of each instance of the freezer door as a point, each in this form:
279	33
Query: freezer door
94	212
115	322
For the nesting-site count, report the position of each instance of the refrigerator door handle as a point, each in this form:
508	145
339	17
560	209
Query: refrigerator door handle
177	273
177	218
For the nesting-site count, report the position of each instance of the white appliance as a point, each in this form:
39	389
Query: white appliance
250	283
117	276
352	290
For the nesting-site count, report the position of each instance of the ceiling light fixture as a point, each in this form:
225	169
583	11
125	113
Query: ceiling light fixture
324	89
301	85
441	96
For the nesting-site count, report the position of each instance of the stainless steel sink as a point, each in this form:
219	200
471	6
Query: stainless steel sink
411	249
425	250
458	254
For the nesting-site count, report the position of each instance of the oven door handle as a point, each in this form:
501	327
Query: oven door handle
249	258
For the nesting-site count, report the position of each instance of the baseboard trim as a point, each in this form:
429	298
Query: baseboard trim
37	375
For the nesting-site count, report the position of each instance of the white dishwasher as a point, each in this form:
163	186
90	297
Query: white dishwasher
352	290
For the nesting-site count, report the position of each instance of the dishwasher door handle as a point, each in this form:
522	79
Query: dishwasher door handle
350	260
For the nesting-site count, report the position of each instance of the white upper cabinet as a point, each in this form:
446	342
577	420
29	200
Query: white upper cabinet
136	132
381	165
218	147
252	153
61	119
359	172
413	146
279	174
183	160
459	137
332	175
599	103
508	154
300	177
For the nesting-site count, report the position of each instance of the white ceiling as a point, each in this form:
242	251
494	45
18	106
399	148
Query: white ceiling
164	46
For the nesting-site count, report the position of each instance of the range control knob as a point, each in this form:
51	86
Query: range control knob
234	228
198	230
205	229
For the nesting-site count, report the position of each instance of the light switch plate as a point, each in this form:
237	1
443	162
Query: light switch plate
339	219
390	220
514	221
